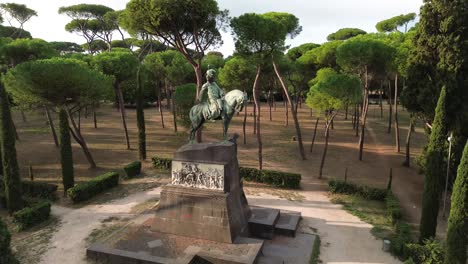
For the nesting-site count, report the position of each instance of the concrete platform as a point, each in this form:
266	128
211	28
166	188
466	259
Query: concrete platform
262	222
138	244
288	250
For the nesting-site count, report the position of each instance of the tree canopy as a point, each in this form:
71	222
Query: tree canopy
392	24
55	81
345	33
21	50
237	73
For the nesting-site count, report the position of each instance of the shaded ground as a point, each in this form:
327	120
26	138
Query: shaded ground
280	153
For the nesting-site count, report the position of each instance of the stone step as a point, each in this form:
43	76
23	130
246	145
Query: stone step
288	223
262	222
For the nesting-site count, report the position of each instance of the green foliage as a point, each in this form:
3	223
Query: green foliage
64	47
121	65
11	175
169	66
323	56
315	256
184	97
435	170
393	208
56	81
19	12
338	186
86	190
400	240
13	32
430	252
275	178
345	33
66	153
5	252
331	91
360	53
162	163
457	239
30	216
392	24
85	10
296	52
95	46
133	169
237	73
21	50
39	189
212	62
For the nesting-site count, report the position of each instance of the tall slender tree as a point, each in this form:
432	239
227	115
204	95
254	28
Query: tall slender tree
457	239
435	170
11	176
20	13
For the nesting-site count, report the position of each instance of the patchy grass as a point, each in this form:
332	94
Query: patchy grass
369	211
315	257
36	130
30	246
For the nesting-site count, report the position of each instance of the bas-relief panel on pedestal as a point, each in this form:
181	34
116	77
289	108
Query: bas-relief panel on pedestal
198	175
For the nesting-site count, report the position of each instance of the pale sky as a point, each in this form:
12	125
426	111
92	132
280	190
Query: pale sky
318	18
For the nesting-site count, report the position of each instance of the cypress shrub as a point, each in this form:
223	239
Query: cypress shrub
457	233
434	171
30	216
66	154
11	176
86	190
5	251
133	169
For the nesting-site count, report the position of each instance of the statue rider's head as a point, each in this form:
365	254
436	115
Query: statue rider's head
211	75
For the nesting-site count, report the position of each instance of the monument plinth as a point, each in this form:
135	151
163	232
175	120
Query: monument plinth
205	199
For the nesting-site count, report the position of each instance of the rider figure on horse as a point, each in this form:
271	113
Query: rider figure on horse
215	96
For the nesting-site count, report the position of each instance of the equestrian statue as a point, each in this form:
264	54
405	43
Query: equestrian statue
215	104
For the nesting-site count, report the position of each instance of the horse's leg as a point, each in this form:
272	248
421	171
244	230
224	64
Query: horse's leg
226	121
195	127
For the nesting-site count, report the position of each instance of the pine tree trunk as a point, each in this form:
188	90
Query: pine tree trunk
269	104
294	114
380	103
94	115
140	112
66	153
23	116
168	96
160	110
122	113
11	176
389	129
51	125
357	120
257	105
397	131
80	140
325	149
365	108
315	133
255	118
408	139
287	111
174	114
346	113
244	124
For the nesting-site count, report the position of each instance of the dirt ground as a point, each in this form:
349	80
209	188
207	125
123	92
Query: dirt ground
280	152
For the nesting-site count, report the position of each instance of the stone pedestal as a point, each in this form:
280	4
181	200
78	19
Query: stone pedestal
205	199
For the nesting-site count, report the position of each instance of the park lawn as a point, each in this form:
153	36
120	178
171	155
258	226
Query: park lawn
369	211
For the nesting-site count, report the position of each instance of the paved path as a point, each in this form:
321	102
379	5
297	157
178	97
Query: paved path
68	243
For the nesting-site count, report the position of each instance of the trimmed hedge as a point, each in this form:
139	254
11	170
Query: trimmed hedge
39	189
275	178
86	190
338	186
133	169
5	251
393	208
30	216
162	163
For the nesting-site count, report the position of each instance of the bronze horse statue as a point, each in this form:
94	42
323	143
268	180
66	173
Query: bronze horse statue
234	102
